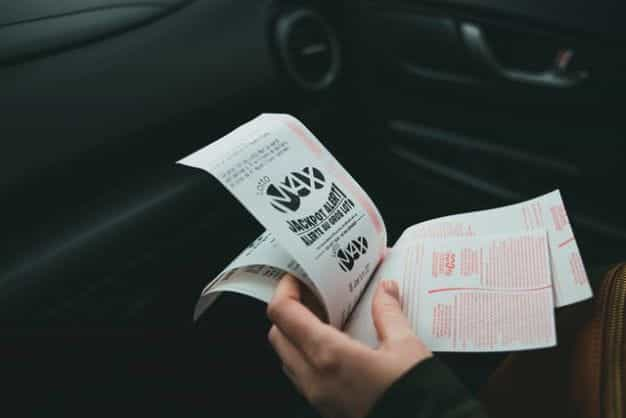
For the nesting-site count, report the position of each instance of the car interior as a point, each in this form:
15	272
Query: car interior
434	106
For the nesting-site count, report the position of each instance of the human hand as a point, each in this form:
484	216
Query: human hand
338	375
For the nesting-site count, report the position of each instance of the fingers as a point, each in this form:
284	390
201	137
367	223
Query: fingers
295	365
390	322
288	288
318	342
303	329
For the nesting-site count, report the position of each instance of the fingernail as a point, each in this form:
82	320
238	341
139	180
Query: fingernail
391	288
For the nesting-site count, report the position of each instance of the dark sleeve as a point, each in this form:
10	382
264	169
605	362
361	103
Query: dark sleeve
428	390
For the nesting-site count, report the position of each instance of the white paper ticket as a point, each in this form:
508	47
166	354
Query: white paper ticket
488	293
547	212
316	211
255	273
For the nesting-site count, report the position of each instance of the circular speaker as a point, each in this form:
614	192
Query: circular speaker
309	49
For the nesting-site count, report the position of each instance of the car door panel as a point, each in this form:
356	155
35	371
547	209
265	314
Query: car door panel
446	114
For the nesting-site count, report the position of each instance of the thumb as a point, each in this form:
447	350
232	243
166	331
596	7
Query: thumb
390	322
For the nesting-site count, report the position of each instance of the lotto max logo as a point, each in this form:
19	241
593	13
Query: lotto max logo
286	195
353	251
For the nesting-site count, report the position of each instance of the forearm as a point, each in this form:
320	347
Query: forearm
428	390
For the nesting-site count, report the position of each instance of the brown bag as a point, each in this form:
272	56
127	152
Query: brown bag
583	377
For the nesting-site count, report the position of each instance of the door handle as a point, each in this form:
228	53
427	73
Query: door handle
555	75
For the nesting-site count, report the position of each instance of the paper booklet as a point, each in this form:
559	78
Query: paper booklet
478	281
